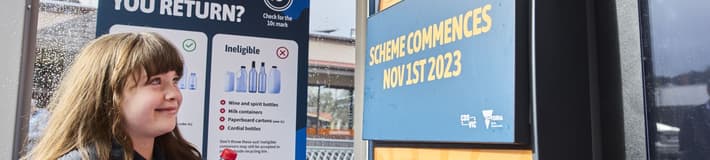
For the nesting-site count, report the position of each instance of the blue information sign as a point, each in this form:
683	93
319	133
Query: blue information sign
441	71
244	84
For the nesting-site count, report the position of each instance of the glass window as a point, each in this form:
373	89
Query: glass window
330	112
63	27
677	71
330	80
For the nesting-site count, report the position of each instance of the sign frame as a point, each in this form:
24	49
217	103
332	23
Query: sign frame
523	92
287	21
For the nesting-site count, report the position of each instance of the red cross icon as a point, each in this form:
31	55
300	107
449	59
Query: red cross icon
282	52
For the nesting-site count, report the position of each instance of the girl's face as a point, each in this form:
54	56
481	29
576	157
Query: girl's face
150	108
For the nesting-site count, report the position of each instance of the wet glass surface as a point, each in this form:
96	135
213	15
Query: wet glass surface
677	71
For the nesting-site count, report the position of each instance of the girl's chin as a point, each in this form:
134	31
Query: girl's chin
166	128
165	131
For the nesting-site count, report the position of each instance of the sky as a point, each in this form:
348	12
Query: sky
333	14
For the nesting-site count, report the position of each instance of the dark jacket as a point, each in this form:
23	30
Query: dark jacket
694	134
116	154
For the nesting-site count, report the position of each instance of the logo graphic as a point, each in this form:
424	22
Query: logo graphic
189	45
278	5
491	120
282	52
468	120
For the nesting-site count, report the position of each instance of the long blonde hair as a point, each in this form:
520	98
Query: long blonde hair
86	112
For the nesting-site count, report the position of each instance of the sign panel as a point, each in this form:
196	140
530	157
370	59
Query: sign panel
441	71
244	84
255	89
192	46
396	153
384	4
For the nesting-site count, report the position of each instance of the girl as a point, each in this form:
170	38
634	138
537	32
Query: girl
119	100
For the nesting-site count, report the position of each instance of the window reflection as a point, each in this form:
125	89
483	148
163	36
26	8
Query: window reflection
330	113
330	110
678	70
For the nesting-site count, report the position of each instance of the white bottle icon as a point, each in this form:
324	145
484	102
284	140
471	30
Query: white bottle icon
274	80
229	82
262	78
182	83
193	81
252	77
242	79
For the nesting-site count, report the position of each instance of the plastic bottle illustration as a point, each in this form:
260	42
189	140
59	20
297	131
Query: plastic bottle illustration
252	77
182	83
242	79
193	81
229	82
274	83
262	78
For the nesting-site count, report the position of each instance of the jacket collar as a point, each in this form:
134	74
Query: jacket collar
117	152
